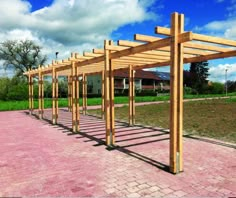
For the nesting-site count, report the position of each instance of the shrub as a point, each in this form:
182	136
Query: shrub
17	89
188	90
146	93
4	86
18	92
216	88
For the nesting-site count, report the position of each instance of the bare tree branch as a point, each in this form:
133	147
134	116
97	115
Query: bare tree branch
21	55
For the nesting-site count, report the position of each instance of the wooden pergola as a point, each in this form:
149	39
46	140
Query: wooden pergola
177	48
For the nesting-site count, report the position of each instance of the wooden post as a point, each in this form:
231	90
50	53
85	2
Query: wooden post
31	102
54	96
75	99
180	98
112	105
29	93
40	94
103	94
69	80
83	94
176	106
109	97
84	90
131	96
32	95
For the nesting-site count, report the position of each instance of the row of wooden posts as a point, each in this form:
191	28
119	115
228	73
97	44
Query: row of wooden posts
107	105
73	97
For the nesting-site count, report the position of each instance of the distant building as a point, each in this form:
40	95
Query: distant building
144	80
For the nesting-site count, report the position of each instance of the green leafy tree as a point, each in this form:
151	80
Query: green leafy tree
216	88
21	55
231	85
4	86
198	76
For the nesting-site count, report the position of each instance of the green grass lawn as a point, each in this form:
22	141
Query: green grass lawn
211	118
63	102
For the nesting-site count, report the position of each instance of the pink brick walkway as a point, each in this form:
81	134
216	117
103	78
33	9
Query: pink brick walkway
38	159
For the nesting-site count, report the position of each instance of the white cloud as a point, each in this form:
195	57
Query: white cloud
224	28
217	73
4	72
69	25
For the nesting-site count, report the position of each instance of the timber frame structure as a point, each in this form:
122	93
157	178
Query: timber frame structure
177	48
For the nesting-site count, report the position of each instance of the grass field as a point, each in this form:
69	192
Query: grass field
21	105
210	118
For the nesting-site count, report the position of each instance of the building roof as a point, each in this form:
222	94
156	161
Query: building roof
163	75
138	74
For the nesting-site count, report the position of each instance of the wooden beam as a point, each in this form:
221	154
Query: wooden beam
200	37
186	44
141	59
206	47
145	38
212	39
89	54
98	51
211	57
134	44
90	61
141	48
157	64
147	57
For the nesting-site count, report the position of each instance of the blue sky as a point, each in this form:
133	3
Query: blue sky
77	25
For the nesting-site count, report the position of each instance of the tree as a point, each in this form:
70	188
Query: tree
198	76
21	55
231	85
216	88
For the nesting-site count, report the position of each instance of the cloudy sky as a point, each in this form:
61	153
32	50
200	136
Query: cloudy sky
80	25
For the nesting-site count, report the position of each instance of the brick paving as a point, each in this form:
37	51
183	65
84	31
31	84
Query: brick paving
39	159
